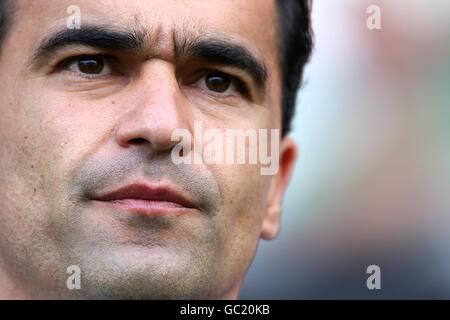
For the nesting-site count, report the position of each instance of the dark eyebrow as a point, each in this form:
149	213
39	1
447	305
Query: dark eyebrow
99	37
210	49
227	53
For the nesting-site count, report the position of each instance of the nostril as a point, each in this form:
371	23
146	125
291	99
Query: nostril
138	141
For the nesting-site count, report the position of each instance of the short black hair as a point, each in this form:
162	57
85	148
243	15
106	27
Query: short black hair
295	46
5	17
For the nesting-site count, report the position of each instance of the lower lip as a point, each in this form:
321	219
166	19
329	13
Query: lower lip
147	207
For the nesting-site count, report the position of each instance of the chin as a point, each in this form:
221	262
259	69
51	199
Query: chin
135	272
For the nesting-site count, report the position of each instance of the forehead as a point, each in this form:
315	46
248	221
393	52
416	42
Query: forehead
252	22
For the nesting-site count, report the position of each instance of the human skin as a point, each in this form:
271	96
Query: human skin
64	137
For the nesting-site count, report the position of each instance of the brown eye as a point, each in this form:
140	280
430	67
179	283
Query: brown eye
90	65
217	82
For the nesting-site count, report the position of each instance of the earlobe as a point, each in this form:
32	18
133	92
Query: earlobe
271	222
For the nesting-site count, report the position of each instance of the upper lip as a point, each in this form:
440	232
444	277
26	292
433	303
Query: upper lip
144	191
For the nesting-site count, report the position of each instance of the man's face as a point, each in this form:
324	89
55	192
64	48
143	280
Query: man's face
73	130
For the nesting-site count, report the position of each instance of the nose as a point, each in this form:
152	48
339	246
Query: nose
158	107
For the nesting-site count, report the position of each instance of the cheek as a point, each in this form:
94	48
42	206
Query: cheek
244	190
244	193
60	133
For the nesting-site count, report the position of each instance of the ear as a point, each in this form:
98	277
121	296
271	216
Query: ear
278	184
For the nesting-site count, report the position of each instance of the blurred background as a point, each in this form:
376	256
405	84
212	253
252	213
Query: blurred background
372	182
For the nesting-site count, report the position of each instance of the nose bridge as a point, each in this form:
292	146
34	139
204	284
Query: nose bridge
157	92
158	107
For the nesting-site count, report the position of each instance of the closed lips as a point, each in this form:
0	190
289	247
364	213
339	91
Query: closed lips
143	195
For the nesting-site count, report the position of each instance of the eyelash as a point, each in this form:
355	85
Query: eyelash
65	63
239	84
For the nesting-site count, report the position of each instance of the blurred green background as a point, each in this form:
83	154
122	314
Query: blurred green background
372	182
